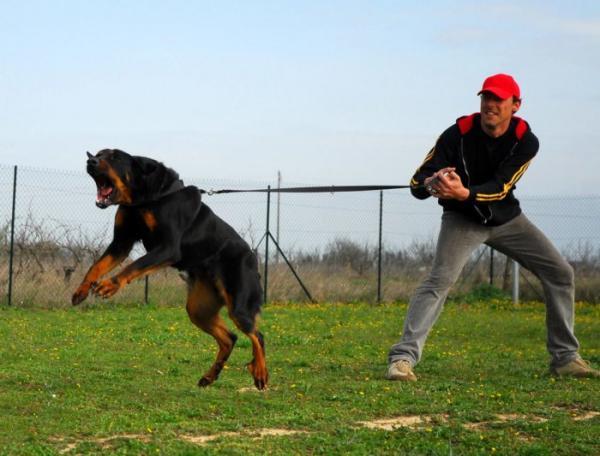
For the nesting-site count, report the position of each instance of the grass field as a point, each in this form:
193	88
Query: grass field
122	380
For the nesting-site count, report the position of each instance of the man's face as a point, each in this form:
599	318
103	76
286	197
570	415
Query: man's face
495	112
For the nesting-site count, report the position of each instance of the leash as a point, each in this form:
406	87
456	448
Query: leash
321	189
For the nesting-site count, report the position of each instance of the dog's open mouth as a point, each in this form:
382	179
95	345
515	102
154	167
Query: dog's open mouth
106	191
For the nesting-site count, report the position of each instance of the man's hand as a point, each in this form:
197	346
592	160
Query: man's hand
446	184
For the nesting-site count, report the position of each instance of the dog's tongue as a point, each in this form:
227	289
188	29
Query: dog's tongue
104	192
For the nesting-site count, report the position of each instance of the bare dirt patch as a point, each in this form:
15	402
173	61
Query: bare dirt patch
578	414
255	435
70	447
586	416
252	389
408	421
385	424
104	442
204	439
505	418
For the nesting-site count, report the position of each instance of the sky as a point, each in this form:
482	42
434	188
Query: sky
327	92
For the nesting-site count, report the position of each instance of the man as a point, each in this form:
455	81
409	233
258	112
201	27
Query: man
472	170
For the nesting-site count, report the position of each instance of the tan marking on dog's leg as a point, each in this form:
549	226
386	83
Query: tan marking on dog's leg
258	366
203	307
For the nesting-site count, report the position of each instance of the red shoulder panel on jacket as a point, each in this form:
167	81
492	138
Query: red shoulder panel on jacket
521	128
465	123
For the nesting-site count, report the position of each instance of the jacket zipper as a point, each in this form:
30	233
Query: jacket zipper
462	157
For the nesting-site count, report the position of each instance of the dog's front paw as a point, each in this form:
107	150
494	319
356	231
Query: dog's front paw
81	293
106	288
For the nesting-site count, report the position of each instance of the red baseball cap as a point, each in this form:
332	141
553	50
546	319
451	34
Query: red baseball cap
502	85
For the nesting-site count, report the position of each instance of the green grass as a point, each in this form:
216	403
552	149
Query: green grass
122	380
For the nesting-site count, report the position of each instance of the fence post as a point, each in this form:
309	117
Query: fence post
515	287
380	244
12	238
146	290
278	215
267	245
491	266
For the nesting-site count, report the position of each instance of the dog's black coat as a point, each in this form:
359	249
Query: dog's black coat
179	230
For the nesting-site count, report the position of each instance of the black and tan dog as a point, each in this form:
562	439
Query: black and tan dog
180	231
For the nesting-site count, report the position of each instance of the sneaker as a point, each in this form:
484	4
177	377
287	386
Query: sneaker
401	370
576	368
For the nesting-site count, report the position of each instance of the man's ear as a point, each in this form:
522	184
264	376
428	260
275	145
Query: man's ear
516	105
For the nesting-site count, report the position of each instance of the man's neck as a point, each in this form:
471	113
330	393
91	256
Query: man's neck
495	131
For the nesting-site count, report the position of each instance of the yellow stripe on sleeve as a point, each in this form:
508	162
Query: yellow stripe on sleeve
486	197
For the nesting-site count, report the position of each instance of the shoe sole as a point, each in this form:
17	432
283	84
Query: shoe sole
576	375
402	378
579	374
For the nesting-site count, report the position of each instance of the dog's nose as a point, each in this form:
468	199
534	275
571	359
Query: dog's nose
92	161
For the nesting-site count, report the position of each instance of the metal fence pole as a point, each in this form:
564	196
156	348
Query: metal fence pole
278	216
491	266
515	285
267	245
12	238
380	247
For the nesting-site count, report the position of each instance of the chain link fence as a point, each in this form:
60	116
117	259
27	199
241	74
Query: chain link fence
344	247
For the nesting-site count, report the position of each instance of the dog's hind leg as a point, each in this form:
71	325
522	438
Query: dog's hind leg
258	365
247	324
225	340
203	305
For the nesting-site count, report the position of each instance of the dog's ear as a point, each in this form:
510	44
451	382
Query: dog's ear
153	177
146	166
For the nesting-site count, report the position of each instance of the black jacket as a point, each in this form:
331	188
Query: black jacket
488	167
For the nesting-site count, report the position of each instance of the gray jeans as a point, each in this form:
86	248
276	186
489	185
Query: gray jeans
520	240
